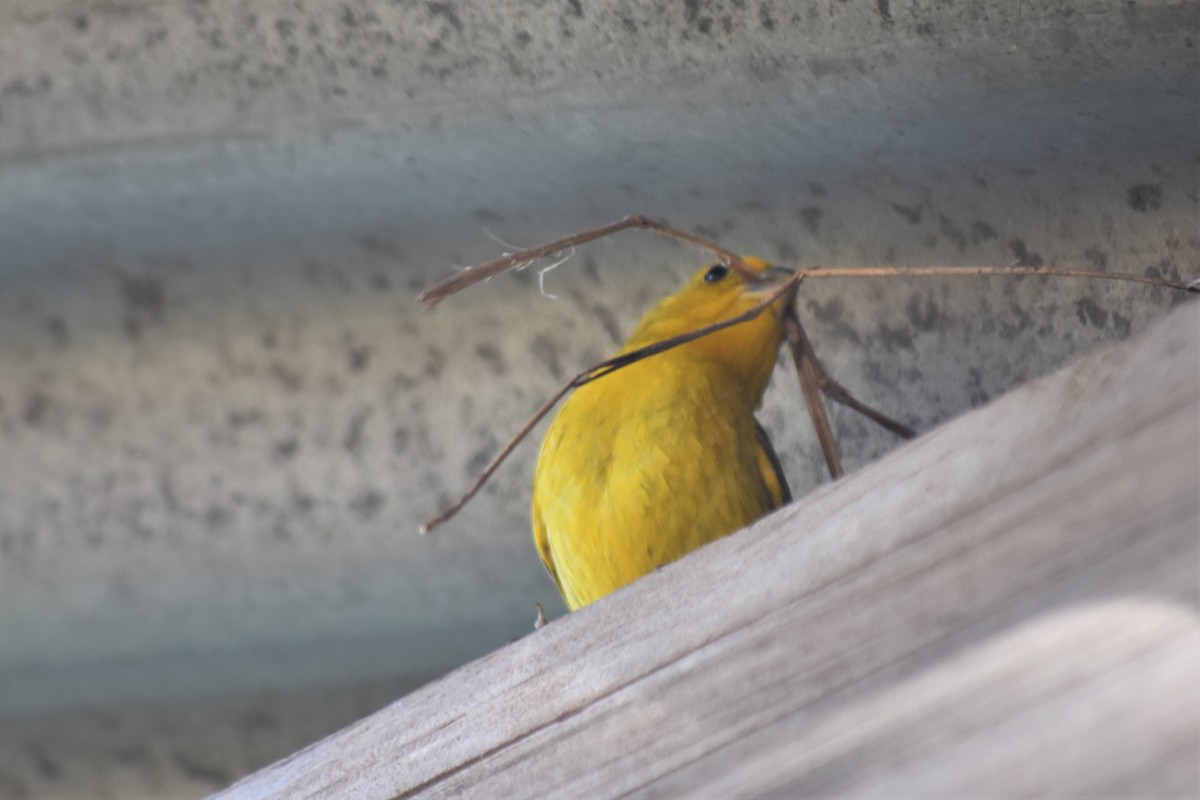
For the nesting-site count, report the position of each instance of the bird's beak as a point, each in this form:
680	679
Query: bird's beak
777	275
769	280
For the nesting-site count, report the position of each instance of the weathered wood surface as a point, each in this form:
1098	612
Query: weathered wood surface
1006	606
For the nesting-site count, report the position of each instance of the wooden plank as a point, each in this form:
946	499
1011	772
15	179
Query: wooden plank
1007	605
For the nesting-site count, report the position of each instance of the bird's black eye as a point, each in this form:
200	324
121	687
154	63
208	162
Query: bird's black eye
715	273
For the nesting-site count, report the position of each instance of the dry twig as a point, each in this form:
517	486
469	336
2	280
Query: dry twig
814	381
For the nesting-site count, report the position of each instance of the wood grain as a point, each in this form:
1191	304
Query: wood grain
1007	605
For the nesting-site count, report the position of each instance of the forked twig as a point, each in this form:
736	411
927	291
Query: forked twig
815	381
834	390
599	371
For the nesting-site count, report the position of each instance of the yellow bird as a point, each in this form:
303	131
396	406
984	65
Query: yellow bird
665	455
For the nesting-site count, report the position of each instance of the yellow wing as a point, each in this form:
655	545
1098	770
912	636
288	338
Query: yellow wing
769	466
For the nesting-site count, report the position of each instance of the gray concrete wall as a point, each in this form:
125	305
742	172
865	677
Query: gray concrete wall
222	416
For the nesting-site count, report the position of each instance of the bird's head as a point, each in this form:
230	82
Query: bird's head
716	293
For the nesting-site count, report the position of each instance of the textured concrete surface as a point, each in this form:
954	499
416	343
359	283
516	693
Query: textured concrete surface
222	416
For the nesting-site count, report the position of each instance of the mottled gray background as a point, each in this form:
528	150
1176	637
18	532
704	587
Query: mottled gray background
222	416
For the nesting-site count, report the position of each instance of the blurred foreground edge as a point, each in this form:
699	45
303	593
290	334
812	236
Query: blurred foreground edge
1006	606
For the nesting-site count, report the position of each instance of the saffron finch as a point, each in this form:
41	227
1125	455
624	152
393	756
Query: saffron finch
664	455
